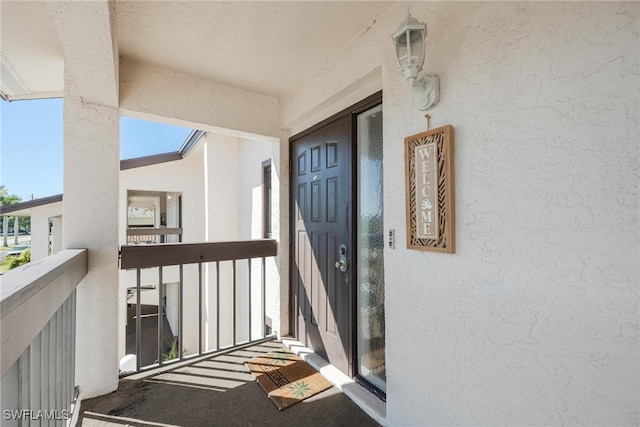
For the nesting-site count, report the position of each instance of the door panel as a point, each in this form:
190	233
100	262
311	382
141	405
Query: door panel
321	183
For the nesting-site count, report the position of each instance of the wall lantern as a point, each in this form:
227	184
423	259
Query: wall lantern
409	42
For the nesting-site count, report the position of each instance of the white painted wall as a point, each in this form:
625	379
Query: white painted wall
39	235
184	176
223	187
56	234
252	155
534	320
222	157
234	200
198	103
40	229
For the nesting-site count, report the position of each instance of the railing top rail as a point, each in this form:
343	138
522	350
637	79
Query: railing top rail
22	283
147	231
155	255
30	295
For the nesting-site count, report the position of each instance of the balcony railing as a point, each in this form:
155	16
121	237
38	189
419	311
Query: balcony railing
222	277
38	323
148	235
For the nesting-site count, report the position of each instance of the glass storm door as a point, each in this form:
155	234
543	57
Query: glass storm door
370	249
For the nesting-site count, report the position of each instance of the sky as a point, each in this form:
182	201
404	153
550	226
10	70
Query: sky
31	154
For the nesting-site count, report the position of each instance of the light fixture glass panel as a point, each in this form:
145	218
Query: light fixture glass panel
417	48
402	54
410	56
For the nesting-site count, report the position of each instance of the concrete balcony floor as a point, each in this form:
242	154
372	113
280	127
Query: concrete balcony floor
217	391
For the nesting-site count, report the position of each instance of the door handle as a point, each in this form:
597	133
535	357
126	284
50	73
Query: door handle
342	264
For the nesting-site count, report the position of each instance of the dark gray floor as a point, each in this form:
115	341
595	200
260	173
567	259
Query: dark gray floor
218	391
149	335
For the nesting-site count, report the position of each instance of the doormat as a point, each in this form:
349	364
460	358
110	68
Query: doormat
286	378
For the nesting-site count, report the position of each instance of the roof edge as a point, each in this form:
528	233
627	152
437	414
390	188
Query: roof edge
190	142
150	160
30	204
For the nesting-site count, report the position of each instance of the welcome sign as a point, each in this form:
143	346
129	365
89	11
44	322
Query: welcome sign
429	185
426	181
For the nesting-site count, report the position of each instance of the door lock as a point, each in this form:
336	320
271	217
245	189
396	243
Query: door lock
342	264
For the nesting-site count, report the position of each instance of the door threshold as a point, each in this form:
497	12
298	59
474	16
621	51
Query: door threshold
367	401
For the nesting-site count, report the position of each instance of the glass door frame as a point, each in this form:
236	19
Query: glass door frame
369	103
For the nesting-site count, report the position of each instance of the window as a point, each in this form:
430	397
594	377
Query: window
266	199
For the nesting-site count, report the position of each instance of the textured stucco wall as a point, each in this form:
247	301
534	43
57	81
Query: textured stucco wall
195	102
40	216
534	320
91	158
234	200
252	153
184	176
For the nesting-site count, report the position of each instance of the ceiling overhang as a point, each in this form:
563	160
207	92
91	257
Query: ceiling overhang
267	47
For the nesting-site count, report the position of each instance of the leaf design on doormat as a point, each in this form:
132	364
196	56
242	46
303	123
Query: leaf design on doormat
279	357
299	389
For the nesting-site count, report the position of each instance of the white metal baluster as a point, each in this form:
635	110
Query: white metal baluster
234	301
160	316
263	298
249	297
23	383
72	346
65	354
53	335
35	379
181	313
59	405
44	366
200	306
138	322
217	305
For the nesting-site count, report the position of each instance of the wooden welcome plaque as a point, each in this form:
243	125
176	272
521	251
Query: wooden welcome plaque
429	186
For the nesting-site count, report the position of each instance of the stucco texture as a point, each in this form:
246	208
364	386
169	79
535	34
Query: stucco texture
534	319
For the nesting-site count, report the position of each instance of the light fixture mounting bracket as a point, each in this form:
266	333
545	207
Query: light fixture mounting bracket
425	92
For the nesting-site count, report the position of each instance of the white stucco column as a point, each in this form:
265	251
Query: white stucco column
278	297
16	224
5	230
39	235
91	167
173	215
86	31
56	234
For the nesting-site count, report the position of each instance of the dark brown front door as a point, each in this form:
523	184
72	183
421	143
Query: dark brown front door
321	237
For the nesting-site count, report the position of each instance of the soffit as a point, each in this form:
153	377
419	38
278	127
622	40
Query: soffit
32	57
269	47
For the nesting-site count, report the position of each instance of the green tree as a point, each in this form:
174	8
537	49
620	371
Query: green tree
5	200
25	223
